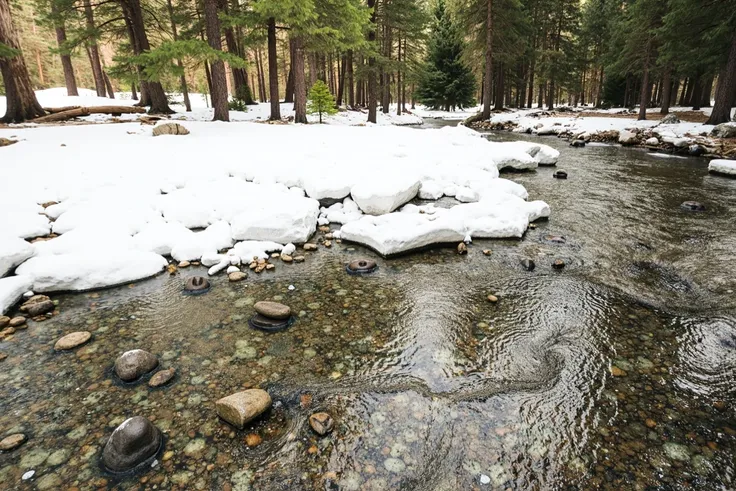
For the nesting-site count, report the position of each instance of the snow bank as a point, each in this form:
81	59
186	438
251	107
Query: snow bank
13	251
87	271
11	289
720	166
381	194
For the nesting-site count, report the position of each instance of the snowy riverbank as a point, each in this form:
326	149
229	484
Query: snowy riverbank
120	199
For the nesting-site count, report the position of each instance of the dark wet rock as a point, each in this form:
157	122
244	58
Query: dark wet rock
577	143
696	150
12	442
272	310
243	407
298	259
692	206
361	266
37	305
560	174
170	129
17	321
462	248
132	364
196	285
72	340
269	324
556	239
528	264
162	377
558	264
135	441
670	119
321	423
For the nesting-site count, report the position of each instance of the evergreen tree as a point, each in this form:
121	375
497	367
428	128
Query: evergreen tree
446	82
321	100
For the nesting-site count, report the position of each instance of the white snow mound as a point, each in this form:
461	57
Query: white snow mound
721	166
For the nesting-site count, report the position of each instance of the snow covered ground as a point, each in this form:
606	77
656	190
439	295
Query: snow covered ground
121	199
57	97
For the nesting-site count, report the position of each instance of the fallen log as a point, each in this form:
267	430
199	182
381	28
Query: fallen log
54	110
86	111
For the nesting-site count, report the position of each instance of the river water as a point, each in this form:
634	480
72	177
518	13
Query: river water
615	372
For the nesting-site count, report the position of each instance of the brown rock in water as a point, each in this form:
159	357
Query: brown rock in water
132	443
273	310
486	252
462	248
4	321
132	364
162	377
12	442
237	276
492	298
37	305
71	341
310	247
617	372
321	423
252	440
298	259
170	129
243	407
17	321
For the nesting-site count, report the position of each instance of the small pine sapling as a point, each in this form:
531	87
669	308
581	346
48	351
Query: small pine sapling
321	100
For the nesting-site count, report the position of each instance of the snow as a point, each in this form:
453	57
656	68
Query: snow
721	166
13	251
11	289
121	199
82	271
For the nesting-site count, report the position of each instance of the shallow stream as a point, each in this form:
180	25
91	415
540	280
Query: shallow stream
432	386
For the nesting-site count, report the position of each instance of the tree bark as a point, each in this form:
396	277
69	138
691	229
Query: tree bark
487	89
372	93
66	59
273	74
108	86
153	90
350	82
726	89
133	94
644	96
697	89
300	89
499	89
289	95
21	102
182	78
94	52
217	67
240	75
666	91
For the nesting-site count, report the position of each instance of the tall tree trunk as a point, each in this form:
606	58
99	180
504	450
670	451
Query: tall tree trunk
350	82
372	92
341	79
499	90
21	102
300	89
108	86
685	87
273	74
532	67
289	95
487	88
94	52
261	76
132	10
644	96
666	91
217	67
398	79
133	94
182	78
66	59
726	88
706	92
697	92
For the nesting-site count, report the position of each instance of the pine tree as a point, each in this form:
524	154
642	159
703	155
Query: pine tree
447	82
321	100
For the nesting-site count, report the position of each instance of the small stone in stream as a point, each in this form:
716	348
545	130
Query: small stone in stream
72	340
361	266
184	264
268	324
321	423
462	248
273	310
275	255
135	441
492	298
270	267
253	265
528	264
327	243
242	407
720	405
486	252
237	276
558	264
7	332
17	321
328	236
162	377
617	372
556	239
310	247
298	259
560	174
3	356
172	269
577	143
692	206
37	305
532	226
252	440
196	285
4	321
132	364
12	442
286	258
650	423
324	228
